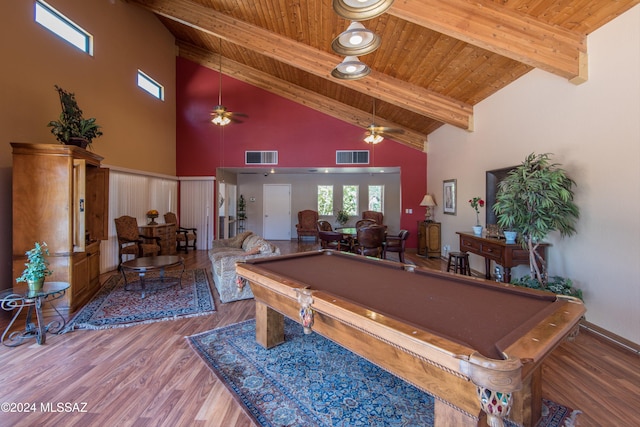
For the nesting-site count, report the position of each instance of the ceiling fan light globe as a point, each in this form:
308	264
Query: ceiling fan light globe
220	120
373	139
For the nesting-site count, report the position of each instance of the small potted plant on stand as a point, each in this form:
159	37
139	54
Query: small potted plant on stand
72	128
37	267
477	203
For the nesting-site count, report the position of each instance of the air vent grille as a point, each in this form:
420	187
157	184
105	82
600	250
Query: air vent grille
261	157
360	157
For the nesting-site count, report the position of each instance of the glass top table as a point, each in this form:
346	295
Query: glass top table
145	265
33	300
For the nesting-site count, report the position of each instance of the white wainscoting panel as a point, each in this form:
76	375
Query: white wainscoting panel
197	208
134	193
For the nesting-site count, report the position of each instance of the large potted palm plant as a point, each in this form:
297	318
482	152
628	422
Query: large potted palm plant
535	199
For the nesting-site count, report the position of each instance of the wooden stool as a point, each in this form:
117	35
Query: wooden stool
460	263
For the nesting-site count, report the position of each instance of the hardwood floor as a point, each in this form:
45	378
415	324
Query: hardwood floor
148	375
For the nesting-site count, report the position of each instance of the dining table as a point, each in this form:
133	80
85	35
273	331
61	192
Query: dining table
349	234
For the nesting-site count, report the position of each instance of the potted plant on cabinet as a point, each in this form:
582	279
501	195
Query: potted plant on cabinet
37	267
535	199
72	128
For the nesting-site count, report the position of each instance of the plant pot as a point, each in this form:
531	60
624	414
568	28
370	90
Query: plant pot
35	285
78	142
477	230
510	236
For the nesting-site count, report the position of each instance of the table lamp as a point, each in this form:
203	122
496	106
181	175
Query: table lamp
428	201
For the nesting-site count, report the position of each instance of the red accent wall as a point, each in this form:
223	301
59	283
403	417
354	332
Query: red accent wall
302	136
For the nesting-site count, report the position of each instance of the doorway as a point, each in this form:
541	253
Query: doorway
277	211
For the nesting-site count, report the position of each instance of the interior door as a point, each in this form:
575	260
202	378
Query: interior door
277	211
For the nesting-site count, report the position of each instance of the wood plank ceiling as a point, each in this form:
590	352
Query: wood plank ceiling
437	59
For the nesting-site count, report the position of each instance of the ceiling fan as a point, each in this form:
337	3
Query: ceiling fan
220	115
375	134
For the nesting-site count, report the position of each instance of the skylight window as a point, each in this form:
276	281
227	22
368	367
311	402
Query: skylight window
63	27
148	84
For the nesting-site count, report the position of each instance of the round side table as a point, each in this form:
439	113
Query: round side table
33	300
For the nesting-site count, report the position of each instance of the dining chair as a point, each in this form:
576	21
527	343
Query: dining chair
396	244
324	226
331	240
364	223
370	240
378	217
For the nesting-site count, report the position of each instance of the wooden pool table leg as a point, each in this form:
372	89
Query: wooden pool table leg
269	326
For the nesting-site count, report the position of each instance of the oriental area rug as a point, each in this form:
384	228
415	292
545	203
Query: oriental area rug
311	381
115	307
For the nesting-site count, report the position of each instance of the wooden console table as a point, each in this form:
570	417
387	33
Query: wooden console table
167	235
507	255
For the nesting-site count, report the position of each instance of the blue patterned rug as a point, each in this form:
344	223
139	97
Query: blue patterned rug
115	307
311	381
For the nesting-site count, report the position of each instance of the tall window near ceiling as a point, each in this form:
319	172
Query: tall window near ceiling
376	198
63	27
325	199
350	199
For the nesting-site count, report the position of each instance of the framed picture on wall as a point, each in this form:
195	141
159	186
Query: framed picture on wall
449	196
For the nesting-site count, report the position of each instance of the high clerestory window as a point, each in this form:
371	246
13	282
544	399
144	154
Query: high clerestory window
148	84
63	27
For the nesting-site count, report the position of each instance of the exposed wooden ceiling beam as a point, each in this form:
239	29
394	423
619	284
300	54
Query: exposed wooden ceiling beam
295	93
314	61
502	31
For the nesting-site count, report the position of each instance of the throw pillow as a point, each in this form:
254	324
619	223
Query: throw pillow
264	247
250	242
236	241
254	250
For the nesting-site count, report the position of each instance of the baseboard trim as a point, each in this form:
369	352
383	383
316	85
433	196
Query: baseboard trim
617	340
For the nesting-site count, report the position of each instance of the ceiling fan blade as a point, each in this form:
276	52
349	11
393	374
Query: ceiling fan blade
391	130
383	129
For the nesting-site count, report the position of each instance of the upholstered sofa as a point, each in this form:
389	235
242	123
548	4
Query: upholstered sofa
226	252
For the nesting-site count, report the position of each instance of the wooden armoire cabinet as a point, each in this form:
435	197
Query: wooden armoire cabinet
61	197
429	239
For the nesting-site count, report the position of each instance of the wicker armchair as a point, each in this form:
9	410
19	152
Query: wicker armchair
307	224
184	235
131	242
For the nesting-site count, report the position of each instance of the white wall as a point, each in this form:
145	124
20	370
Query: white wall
594	131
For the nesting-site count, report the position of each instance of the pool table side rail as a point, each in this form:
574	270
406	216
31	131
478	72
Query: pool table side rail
543	338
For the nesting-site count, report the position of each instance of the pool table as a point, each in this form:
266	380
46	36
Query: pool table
476	346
